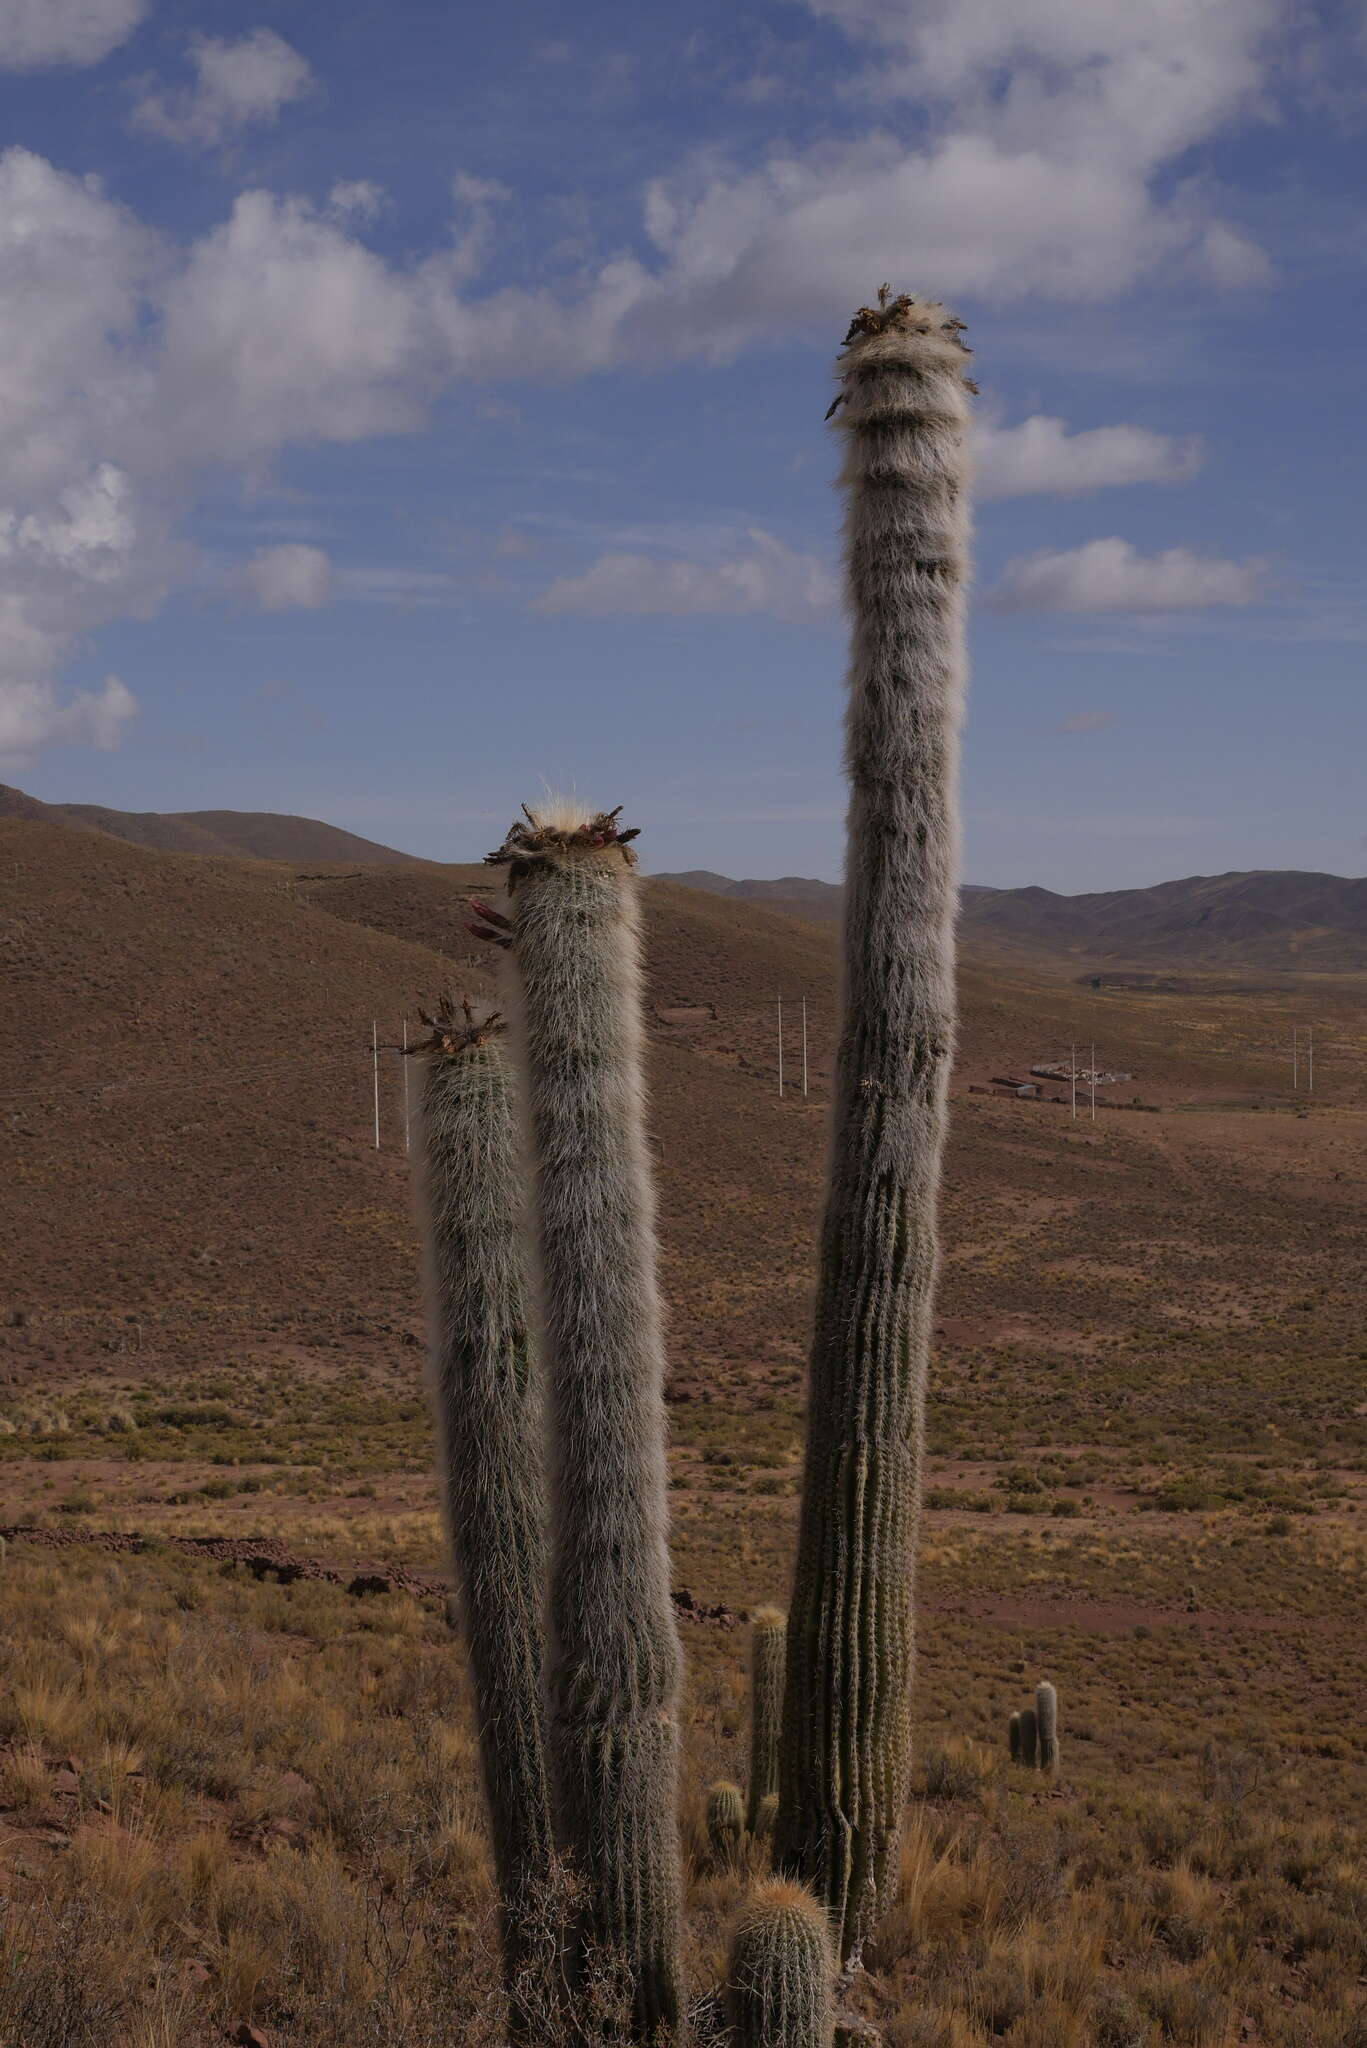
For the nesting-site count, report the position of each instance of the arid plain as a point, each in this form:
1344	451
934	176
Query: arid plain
236	1794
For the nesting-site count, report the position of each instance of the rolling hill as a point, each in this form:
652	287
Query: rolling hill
254	835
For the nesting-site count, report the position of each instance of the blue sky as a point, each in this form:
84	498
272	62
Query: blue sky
403	406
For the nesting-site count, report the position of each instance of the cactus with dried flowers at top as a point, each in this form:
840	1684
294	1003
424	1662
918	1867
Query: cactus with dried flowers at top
489	1432
845	1756
571	929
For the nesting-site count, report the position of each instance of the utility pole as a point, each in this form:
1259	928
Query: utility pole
1295	1052
780	1048
1310	1058
1093	1084
1074	1073
375	1067
804	1047
406	1128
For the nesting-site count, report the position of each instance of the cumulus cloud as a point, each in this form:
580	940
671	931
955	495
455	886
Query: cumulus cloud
289	578
1040	455
237	85
36	33
33	717
766	576
1040	157
1112	576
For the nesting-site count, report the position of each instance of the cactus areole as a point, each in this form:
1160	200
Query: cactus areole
903	410
572	933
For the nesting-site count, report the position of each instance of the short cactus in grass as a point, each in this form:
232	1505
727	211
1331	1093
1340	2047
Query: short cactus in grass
1013	1738
725	1822
1029	1732
768	1633
781	1980
1046	1723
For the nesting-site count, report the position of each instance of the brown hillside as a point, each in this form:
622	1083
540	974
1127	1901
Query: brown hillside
187	1104
255	835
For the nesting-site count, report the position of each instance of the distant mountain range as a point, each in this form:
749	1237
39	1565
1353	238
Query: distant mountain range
253	835
1267	918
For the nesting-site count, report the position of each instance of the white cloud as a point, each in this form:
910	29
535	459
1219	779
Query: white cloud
35	33
33	717
1040	455
289	578
356	199
237	85
1112	576
765	577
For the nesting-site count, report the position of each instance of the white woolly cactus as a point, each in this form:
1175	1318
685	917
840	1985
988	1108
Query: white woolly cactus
572	933
489	1432
904	413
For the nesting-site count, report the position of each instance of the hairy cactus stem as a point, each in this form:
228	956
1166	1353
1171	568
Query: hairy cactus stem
845	1757
489	1431
1029	1732
1046	1723
725	1822
573	916
768	1632
780	1981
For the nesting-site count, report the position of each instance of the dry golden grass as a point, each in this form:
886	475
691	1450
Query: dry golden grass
276	1818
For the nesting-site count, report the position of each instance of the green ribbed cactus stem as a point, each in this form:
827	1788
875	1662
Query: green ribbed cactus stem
489	1432
1029	1738
766	1820
725	1822
845	1757
768	1631
1046	1723
573	937
780	1984
1013	1738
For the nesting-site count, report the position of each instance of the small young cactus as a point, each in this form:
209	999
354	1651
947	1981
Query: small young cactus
1029	1732
1046	1722
725	1822
767	1633
488	1417
781	1975
572	937
766	1820
1013	1737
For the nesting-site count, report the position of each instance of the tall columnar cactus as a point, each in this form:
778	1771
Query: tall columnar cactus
903	409
1013	1738
489	1430
1046	1722
725	1821
613	1665
767	1633
782	1966
1029	1738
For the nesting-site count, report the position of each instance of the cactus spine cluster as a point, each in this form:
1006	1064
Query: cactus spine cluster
1046	1723
613	1660
845	1760
489	1433
767	1637
725	1822
780	1990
